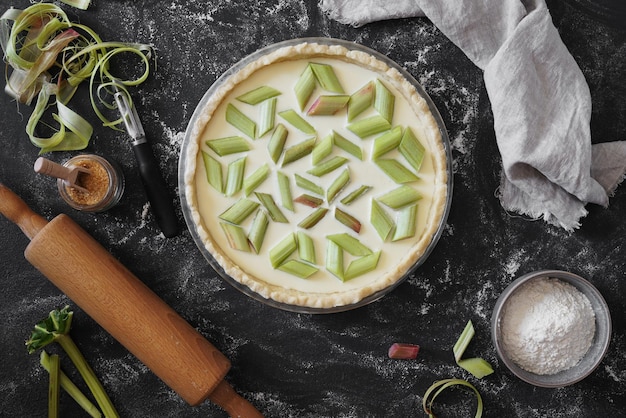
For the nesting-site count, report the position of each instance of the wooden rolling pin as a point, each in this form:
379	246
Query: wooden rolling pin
125	307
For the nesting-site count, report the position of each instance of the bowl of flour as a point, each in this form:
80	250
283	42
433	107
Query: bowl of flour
551	328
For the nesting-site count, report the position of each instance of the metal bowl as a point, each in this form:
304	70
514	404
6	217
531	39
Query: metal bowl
590	360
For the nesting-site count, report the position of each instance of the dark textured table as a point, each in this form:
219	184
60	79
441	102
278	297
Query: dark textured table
334	365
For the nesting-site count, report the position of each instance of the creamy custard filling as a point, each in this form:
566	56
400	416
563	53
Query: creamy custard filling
322	289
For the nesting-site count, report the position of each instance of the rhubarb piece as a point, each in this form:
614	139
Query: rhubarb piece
355	194
258	230
306	248
463	341
400	197
381	222
240	121
298	268
334	259
298	151
276	144
478	367
403	351
297	121
347	146
255	179
337	185
304	87
228	145
361	266
369	126
326	105
348	220
396	171
360	100
234	176
312	220
384	101
308	185
386	142
213	170
327	166
308	200
350	244
405	223
272	209
236	236
326	77
239	211
284	187
322	149
267	116
258	95
281	251
412	149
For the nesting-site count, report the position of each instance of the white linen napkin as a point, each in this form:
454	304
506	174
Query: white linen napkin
539	97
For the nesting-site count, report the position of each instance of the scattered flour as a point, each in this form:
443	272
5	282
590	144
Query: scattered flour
547	326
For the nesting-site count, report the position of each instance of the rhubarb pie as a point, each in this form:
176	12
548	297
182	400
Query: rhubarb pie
315	175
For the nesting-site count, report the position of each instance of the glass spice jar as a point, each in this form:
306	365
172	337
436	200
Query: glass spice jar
103	185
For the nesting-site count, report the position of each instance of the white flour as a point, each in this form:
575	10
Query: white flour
547	326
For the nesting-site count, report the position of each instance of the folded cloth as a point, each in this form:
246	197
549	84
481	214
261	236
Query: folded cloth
539	97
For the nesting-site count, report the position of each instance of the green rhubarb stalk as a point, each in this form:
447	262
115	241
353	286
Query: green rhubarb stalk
328	166
322	149
328	105
354	195
53	387
312	220
360	100
361	266
384	101
236	237
327	78
282	250
463	341
306	248
477	366
304	87
298	268
258	230
258	95
347	146
267	116
56	328
396	171
71	389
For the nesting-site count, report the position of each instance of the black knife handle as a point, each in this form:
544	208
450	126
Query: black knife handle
156	189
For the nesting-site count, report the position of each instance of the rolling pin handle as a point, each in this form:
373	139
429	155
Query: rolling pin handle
17	211
236	406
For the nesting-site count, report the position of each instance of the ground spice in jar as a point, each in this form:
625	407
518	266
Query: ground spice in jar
547	326
104	184
96	182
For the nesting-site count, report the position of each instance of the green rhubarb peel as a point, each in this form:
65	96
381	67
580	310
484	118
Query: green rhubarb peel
48	57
